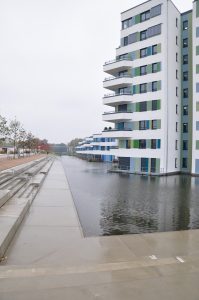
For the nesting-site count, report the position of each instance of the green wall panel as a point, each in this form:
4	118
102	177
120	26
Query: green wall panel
197	50
197	69
137	19
157	165
197	145
197	106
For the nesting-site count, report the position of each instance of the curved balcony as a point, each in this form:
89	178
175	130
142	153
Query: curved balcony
117	116
115	99
117	65
114	83
120	133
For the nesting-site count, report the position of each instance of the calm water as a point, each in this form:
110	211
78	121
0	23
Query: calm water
109	203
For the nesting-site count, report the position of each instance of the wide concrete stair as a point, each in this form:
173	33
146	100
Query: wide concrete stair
18	188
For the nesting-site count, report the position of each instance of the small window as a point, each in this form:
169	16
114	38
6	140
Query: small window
126	23
185	43
176	74
143	35
153	144
185	25
197	125
176	40
185	76
185	145
145	16
197	31
154	124
176	109
176	57
176	162
185	110
143	52
154	49
185	127
154	86
142	144
143	106
143	70
185	93
143	88
176	145
142	125
125	40
177	22
185	59
154	68
176	91
176	126
184	162
154	104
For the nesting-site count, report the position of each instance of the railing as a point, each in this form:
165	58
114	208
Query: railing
117	77
117	112
115	130
116	60
118	94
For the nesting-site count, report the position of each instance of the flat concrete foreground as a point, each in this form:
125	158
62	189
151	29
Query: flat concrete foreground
50	259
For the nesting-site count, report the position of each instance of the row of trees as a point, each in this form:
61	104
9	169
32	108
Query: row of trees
13	133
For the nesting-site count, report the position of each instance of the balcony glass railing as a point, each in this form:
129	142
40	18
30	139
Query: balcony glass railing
115	129
118	94
117	77
117	112
117	60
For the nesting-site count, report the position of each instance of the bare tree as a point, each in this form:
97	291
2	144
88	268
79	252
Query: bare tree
14	133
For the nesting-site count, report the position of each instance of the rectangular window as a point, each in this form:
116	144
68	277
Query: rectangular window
176	145
143	52
197	31
154	124
176	57
154	68
126	23
176	91
176	40
185	93
142	125
176	162
143	88
185	25
176	109
132	38
184	162
145	16
154	30
155	11
154	49
142	144
185	145
176	126
125	40
185	43
185	76
185	110
153	144
143	35
143	70
143	106
197	87
176	74
197	125
177	22
154	86
185	59
153	165
185	127
154	104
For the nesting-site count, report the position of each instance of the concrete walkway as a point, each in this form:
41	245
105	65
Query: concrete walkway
50	259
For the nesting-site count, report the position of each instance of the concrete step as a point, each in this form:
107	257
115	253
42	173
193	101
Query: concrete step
38	179
4	196
47	167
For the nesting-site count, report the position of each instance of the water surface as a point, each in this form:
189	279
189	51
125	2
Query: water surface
110	203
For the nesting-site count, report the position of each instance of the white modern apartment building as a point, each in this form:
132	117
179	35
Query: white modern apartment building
153	90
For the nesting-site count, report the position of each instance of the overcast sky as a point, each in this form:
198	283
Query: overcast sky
51	58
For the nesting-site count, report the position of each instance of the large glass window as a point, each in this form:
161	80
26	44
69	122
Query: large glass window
185	43
154	86
184	162
143	52
126	23
154	124
154	104
142	125
142	144
153	144
185	127
154	30
155	11
185	110
185	145
185	76
154	49
143	35
143	88
185	59
185	25
185	93
154	68
145	16
143	70
125	40
143	106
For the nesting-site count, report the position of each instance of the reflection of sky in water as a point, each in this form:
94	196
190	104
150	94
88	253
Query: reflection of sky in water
109	203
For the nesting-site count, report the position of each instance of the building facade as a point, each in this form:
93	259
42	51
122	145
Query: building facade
153	90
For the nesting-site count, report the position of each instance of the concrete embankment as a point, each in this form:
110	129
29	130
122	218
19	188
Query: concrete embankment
18	188
49	257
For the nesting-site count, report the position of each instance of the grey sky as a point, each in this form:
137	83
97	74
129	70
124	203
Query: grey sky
51	58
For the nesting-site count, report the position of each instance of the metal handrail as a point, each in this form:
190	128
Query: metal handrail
113	129
117	60
118	94
116	112
117	77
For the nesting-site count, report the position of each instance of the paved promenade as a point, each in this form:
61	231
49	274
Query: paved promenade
6	163
49	259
